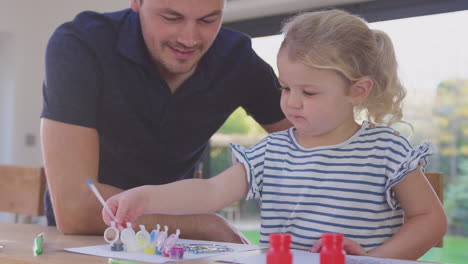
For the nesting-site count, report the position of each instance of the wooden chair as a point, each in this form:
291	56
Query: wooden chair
22	190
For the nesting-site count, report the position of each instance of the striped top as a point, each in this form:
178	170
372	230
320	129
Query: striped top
343	188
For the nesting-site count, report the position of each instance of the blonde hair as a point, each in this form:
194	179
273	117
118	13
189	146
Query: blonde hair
342	42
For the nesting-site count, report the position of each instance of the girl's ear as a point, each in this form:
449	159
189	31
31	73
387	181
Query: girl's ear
360	90
135	5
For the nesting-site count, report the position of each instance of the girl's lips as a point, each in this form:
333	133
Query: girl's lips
296	117
182	54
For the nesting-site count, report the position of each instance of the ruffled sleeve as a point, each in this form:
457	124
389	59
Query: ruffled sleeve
253	161
414	158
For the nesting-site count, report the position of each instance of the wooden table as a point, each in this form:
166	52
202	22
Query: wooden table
18	241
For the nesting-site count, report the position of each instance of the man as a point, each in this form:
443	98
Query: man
132	98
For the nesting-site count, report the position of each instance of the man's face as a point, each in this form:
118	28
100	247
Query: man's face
178	32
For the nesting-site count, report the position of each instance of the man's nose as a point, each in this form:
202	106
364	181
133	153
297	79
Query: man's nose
189	35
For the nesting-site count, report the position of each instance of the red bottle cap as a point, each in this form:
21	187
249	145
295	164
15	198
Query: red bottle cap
275	238
280	240
332	240
332	249
279	252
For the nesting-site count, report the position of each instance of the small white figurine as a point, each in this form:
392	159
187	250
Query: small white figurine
170	243
160	240
111	236
128	238
151	247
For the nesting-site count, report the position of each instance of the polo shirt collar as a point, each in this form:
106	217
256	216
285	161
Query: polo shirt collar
130	42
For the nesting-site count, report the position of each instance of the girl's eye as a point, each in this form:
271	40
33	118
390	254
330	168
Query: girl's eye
286	89
309	93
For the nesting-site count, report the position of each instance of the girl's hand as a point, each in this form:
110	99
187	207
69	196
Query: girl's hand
127	206
349	246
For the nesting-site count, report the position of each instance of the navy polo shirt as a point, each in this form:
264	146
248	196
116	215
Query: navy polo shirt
99	75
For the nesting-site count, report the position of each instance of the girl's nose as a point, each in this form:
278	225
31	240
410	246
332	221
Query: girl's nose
294	100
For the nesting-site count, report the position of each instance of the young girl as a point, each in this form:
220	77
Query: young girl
327	173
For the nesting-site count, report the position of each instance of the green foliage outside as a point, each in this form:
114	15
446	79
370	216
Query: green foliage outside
450	109
451	122
454	251
456	203
252	235
240	123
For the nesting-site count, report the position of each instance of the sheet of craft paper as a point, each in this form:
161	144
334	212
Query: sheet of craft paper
304	257
104	251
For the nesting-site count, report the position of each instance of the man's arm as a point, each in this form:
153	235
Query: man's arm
278	126
71	154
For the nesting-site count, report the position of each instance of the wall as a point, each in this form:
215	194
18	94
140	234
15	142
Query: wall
6	93
25	27
252	9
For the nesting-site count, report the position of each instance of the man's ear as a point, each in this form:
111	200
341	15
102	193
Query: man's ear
135	5
360	90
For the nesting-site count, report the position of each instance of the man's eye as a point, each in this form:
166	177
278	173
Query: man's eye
207	21
170	19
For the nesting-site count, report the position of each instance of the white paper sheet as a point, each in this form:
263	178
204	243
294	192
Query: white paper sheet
304	257
104	251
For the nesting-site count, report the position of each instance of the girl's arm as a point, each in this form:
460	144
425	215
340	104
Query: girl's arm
425	223
191	196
